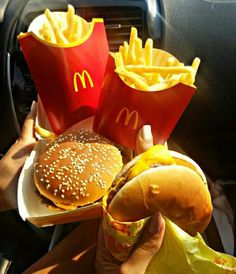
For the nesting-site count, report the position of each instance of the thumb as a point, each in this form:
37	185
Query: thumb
144	139
27	131
148	245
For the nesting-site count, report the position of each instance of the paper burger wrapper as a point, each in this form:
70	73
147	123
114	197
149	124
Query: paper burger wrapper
68	77
120	237
123	110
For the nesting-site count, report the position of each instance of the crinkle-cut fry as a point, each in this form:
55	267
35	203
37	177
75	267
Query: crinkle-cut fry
58	34
44	133
138	81
138	51
148	52
131	50
70	17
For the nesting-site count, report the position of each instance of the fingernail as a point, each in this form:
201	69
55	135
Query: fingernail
155	224
32	105
146	133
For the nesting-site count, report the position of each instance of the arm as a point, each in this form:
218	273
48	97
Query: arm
13	161
148	245
84	251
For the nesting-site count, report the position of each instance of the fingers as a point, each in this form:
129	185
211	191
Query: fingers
101	241
104	261
41	115
152	237
144	139
148	246
102	252
27	131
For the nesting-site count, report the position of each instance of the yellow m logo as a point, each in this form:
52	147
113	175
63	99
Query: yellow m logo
128	116
82	80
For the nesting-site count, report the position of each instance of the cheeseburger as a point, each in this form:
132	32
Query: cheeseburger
76	169
164	181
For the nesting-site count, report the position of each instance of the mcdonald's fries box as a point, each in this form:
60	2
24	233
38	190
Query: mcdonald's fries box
34	209
67	77
125	107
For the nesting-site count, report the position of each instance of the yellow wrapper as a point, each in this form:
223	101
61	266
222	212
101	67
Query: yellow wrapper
120	237
181	253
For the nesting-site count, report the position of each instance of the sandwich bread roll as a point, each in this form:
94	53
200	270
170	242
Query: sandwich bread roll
164	181
77	168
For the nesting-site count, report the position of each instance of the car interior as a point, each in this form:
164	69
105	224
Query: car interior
186	29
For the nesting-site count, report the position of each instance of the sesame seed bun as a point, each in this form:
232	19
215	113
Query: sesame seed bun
76	169
179	191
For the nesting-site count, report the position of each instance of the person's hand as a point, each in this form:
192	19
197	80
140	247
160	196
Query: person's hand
13	161
144	139
148	245
150	240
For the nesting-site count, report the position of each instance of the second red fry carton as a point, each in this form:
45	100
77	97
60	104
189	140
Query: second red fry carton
143	86
67	66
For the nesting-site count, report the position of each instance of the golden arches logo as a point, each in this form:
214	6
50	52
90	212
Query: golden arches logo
81	77
128	116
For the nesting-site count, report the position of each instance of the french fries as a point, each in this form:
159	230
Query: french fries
136	65
61	27
55	27
44	133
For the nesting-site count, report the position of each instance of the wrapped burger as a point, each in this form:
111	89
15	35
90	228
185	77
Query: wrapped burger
156	180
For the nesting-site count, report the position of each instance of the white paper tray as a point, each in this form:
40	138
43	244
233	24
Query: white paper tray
30	205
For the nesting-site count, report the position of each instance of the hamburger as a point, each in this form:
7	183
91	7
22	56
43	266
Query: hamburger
76	169
164	181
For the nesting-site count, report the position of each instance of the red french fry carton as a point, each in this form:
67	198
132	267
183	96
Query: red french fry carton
123	109
68	77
